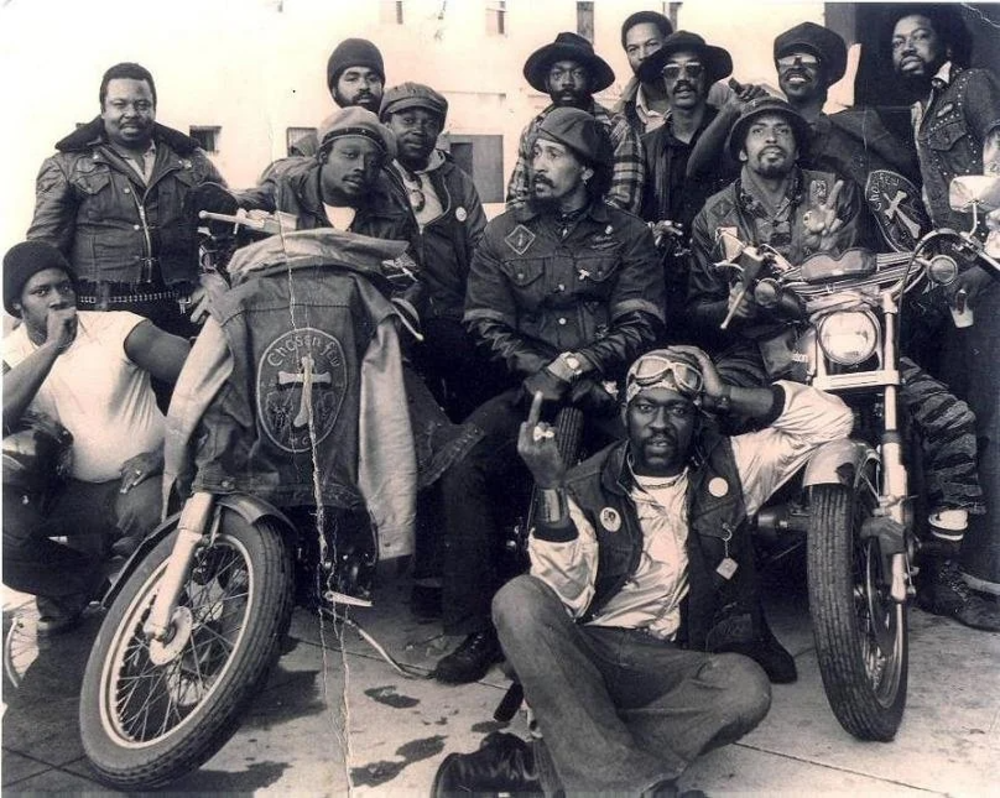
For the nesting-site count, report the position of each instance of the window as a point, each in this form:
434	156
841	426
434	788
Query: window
391	12
481	157
293	135
207	136
496	18
585	20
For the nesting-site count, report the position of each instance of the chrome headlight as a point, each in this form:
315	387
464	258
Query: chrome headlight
848	338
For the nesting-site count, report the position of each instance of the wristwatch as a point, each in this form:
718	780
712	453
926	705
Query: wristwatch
567	367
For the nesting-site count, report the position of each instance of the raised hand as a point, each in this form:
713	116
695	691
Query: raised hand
537	446
821	217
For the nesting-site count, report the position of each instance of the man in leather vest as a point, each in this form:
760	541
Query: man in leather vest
640	564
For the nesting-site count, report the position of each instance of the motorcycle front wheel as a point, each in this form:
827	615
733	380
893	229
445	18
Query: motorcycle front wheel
152	711
860	632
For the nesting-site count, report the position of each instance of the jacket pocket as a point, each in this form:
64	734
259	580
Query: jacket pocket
523	273
597	267
944	137
95	192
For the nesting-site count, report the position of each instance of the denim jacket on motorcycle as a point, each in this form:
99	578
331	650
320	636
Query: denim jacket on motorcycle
964	106
111	226
716	611
597	290
299	370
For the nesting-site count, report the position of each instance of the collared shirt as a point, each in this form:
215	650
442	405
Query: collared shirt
143	164
950	126
628	170
651	118
651	599
420	190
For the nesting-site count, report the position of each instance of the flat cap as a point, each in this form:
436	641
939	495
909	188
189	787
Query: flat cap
412	95
579	131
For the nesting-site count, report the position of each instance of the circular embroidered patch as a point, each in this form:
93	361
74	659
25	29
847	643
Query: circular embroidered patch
610	519
718	487
301	382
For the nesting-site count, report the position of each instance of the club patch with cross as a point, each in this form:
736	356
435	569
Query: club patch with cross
301	383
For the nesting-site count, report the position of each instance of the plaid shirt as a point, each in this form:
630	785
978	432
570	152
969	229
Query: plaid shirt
627	175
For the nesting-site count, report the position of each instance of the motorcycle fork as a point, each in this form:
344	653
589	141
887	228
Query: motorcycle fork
894	477
191	531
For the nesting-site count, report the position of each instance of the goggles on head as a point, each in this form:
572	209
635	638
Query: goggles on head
660	370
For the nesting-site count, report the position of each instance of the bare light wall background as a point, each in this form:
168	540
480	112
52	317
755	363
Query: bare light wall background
254	68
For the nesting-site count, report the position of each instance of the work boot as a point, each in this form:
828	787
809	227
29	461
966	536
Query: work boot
472	660
947	593
503	764
58	614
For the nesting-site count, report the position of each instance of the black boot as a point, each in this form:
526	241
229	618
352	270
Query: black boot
503	763
945	592
472	660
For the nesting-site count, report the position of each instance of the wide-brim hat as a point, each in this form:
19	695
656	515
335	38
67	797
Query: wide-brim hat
568	47
821	42
759	107
716	60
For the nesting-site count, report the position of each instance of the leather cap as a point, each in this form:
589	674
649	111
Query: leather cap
412	95
579	131
356	121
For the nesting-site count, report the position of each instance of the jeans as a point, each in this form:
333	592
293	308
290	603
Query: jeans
972	368
617	708
32	563
482	491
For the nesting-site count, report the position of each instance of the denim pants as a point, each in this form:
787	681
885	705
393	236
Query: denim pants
972	367
481	492
618	709
32	563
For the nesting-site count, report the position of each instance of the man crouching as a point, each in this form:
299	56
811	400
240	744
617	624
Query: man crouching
640	563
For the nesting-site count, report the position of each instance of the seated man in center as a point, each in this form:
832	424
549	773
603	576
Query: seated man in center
566	291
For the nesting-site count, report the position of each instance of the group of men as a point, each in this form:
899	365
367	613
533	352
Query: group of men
638	635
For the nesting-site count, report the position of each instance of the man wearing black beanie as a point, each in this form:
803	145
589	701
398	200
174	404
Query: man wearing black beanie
355	76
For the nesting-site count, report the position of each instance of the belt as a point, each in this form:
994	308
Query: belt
131	295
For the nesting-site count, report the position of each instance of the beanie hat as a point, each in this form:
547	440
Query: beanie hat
355	121
412	95
579	131
662	23
353	53
22	262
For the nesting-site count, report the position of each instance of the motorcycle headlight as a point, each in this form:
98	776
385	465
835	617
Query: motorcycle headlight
848	338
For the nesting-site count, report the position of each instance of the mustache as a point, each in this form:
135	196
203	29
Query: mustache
683	85
541	180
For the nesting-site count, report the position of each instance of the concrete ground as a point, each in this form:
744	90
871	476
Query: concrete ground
336	719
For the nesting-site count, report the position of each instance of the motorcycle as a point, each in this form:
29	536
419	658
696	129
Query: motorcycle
196	619
856	504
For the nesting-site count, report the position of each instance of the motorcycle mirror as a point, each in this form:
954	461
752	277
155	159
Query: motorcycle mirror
970	191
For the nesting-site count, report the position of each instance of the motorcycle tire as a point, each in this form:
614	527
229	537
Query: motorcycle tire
860	632
150	713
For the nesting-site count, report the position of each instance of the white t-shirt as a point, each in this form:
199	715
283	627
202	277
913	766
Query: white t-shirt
97	393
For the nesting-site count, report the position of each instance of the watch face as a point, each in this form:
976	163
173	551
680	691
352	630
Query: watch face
573	362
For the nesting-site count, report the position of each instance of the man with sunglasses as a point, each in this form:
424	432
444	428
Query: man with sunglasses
641	574
570	72
688	67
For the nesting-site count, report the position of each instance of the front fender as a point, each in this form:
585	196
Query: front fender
250	508
838	463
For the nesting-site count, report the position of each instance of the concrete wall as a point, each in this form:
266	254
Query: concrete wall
256	67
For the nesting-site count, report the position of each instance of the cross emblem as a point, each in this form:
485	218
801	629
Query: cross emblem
308	380
894	211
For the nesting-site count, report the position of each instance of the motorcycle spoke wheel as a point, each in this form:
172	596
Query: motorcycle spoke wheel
153	710
151	700
860	632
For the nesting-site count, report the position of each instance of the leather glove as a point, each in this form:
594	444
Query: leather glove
552	388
